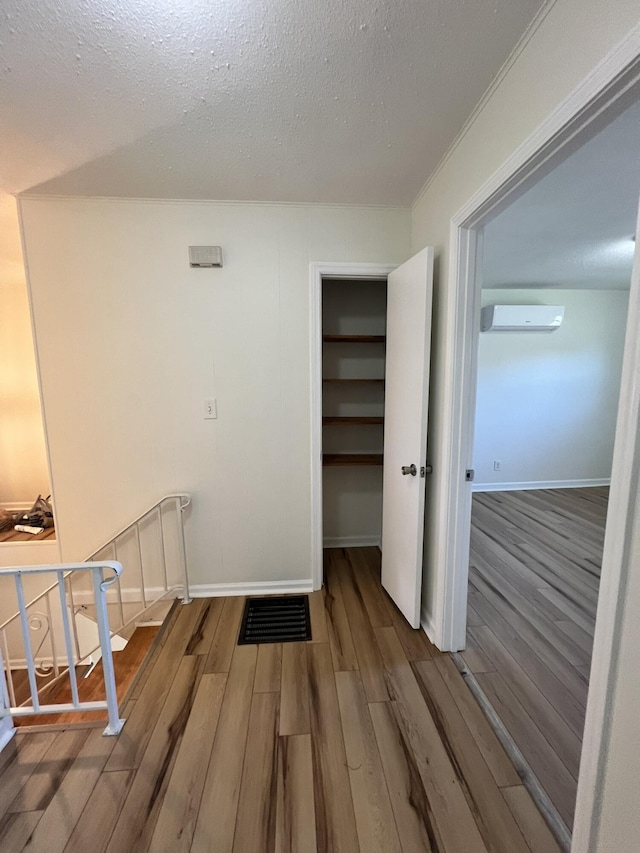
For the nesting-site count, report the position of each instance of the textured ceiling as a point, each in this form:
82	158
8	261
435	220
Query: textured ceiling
573	229
347	101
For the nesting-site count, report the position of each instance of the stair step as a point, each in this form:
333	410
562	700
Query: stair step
126	664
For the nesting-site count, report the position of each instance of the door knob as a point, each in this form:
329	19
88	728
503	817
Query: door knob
409	469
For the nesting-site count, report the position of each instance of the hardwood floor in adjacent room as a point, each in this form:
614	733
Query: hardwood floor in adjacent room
533	590
363	739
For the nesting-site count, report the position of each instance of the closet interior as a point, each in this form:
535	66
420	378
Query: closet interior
353	369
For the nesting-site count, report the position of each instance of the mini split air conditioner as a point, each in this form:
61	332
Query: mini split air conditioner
521	318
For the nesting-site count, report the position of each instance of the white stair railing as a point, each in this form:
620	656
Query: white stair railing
100	583
155	569
147	579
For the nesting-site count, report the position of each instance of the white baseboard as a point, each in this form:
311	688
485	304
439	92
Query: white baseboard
350	541
15	507
214	590
539	484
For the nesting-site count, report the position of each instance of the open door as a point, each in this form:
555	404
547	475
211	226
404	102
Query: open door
409	292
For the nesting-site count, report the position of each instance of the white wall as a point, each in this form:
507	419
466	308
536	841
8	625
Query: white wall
23	463
131	341
540	77
546	405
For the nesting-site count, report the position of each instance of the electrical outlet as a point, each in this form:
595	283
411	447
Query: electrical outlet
497	465
210	409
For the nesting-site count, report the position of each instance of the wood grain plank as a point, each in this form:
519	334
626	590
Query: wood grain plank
179	810
564	741
530	820
27	751
497	760
364	562
256	821
497	826
136	822
16	829
38	790
343	651
452	813
294	710
475	658
579	614
374	816
166	630
132	742
205	628
63	812
551	772
335	820
415	821
8	754
269	668
533	651
295	813
93	830
534	580
473	619
578	635
224	641
367	651
319	632
215	826
506	598
415	642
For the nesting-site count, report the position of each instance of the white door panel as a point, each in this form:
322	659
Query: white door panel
409	294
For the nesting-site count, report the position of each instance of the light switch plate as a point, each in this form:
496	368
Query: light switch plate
210	409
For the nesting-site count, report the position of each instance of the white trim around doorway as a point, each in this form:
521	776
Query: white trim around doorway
317	272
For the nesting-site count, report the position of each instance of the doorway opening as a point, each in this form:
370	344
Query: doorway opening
348	334
536	553
545	420
353	371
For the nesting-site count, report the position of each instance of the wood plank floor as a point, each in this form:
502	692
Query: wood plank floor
364	739
533	589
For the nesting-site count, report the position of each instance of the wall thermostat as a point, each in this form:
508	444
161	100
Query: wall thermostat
205	256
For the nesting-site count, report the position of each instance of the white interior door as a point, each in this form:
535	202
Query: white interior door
406	405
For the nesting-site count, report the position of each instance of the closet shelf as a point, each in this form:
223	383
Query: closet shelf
330	460
354	339
356	381
335	421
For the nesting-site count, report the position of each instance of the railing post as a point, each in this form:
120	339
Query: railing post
66	627
26	638
186	598
115	723
6	662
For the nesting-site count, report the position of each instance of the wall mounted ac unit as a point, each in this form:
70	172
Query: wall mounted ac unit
521	318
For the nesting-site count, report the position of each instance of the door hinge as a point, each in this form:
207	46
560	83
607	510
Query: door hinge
469	475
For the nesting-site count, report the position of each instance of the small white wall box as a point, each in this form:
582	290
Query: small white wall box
205	256
521	318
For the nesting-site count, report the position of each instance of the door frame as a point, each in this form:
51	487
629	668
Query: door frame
319	270
607	91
